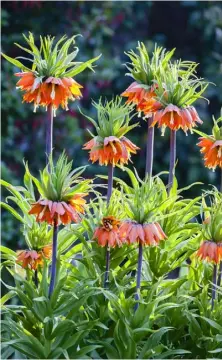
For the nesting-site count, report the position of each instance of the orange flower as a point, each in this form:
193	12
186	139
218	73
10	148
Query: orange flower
29	259
136	93
146	234
32	259
149	107
176	118
143	98
108	232
212	150
210	251
112	151
52	91
59	212
47	251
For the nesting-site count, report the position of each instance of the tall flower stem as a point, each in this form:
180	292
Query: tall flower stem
220	265
110	182
219	274
139	272
149	148
172	158
36	278
221	180
49	134
54	255
214	287
109	193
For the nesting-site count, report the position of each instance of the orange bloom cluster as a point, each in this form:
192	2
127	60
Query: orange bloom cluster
212	151
112	151
31	259
146	234
143	98
52	91
176	118
210	251
59	212
108	232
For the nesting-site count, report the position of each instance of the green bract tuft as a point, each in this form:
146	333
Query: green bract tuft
62	183
53	58
179	85
212	222
113	118
145	69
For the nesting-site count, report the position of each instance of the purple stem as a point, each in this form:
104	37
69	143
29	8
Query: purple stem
172	158
36	278
139	272
219	274
149	148
109	193
54	254
214	283
49	133
221	181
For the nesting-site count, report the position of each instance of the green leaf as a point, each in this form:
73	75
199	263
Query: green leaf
79	68
85	350
169	353
7	297
15	62
12	211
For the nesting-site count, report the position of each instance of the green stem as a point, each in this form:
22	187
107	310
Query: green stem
54	256
214	287
172	158
139	273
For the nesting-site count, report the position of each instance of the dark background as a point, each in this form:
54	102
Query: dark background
110	28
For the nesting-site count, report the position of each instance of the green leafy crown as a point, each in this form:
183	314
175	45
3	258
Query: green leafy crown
143	68
62	183
52	59
179	85
212	224
113	118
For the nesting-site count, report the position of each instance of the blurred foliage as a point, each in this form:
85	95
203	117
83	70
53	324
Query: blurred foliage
109	28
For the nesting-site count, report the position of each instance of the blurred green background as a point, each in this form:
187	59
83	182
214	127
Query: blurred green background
110	28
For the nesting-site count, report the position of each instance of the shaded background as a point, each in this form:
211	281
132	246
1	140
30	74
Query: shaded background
110	28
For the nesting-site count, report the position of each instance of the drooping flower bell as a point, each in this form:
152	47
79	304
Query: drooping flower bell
143	69
210	251
142	203
102	220
178	87
211	146
211	248
110	145
107	234
62	194
145	234
32	259
50	79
